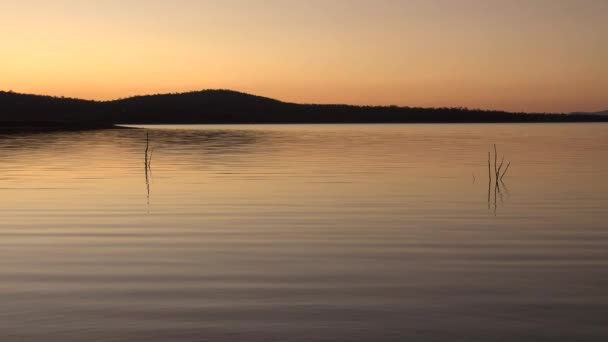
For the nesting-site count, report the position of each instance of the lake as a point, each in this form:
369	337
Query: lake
305	233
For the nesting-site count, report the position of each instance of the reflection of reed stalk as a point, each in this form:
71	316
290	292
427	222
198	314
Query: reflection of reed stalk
496	190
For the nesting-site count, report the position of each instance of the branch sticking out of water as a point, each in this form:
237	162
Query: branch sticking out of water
489	166
505	172
147	168
502	162
499	174
147	149
498	171
150	160
495	160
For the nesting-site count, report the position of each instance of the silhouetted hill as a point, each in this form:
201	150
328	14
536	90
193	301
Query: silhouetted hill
225	106
603	113
207	106
34	108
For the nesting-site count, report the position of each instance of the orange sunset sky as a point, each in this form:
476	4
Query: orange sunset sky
519	55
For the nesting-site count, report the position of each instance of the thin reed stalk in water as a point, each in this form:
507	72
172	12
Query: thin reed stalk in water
489	167
147	169
147	142
147	148
502	162
505	172
495	160
150	160
499	174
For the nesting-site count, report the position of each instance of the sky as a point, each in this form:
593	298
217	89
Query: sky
518	55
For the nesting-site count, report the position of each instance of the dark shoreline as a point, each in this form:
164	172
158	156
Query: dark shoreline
20	111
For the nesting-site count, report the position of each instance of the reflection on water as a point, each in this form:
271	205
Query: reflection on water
328	232
501	191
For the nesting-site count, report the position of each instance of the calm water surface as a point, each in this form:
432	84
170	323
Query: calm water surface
305	233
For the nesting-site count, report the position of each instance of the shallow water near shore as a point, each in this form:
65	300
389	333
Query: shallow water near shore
305	233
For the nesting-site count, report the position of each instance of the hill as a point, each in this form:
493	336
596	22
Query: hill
602	113
225	106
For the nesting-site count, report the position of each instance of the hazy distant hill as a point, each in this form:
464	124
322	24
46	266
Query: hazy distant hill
225	106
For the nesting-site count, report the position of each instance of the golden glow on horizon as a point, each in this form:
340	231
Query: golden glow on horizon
518	55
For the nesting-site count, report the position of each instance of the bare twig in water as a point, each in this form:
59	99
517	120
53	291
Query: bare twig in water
502	162
147	169
499	174
505	172
147	148
495	160
489	167
150	160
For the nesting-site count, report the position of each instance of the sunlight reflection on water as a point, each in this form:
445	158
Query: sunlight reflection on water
310	232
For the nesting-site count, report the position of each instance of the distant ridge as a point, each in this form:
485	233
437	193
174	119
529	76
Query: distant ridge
227	106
